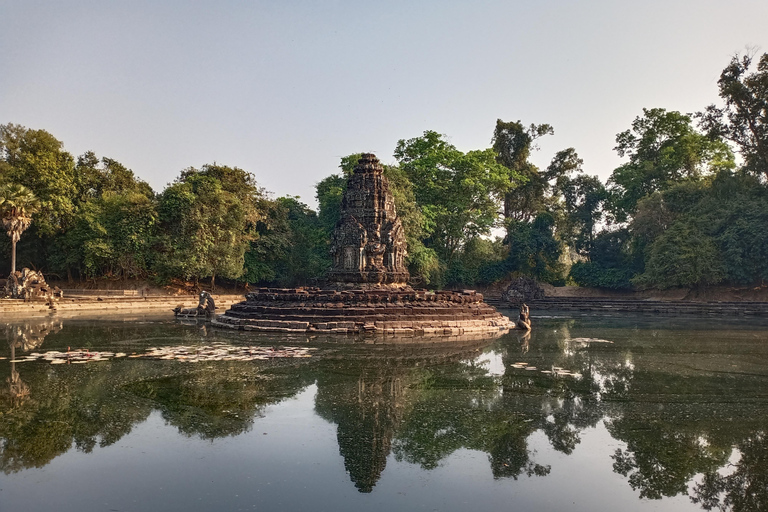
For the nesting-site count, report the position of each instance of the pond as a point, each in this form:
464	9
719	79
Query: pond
585	414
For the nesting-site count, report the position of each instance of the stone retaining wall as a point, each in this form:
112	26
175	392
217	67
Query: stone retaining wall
19	307
671	308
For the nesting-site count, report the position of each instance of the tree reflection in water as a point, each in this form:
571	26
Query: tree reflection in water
686	425
744	488
24	336
59	409
99	403
216	401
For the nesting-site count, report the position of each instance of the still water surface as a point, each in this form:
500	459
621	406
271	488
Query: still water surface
670	415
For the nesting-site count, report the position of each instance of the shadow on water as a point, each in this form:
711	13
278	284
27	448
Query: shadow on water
686	403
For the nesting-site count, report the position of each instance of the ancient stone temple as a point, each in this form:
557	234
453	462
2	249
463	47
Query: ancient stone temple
368	244
366	290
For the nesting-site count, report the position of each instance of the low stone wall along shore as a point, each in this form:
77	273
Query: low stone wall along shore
656	307
94	303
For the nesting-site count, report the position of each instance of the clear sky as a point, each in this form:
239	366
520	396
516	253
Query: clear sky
285	88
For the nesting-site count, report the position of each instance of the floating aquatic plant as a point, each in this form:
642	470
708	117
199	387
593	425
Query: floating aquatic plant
191	354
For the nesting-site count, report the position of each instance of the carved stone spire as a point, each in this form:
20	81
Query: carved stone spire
368	244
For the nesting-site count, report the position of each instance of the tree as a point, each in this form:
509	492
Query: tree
610	262
533	249
96	177
481	261
17	205
682	256
35	159
512	144
583	196
716	224
114	235
114	223
744	119
292	247
458	193
329	193
663	149
208	218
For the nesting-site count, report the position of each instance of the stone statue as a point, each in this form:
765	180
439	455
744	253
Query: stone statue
206	308
30	284
368	244
524	320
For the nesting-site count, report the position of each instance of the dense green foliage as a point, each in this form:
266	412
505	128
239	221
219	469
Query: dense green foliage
458	195
705	233
292	247
610	264
680	211
207	219
663	148
744	118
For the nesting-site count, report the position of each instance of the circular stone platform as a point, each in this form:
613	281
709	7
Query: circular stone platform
368	311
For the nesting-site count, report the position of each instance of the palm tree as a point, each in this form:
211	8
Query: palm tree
17	204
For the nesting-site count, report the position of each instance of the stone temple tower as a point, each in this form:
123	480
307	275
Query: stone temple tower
366	292
368	244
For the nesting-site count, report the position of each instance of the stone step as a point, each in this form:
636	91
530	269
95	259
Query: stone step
73	304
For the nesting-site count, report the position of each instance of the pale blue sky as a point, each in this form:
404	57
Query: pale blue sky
285	88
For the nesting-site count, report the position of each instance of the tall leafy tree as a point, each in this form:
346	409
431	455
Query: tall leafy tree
97	176
512	144
663	148
17	205
583	199
114	235
699	233
744	118
682	256
292	247
534	250
329	192
458	193
114	223
611	261
37	160
208	218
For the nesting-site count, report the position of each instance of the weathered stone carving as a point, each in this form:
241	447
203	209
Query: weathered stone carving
30	284
368	245
206	308
522	289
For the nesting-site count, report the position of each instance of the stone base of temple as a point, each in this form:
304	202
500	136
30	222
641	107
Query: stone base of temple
385	312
